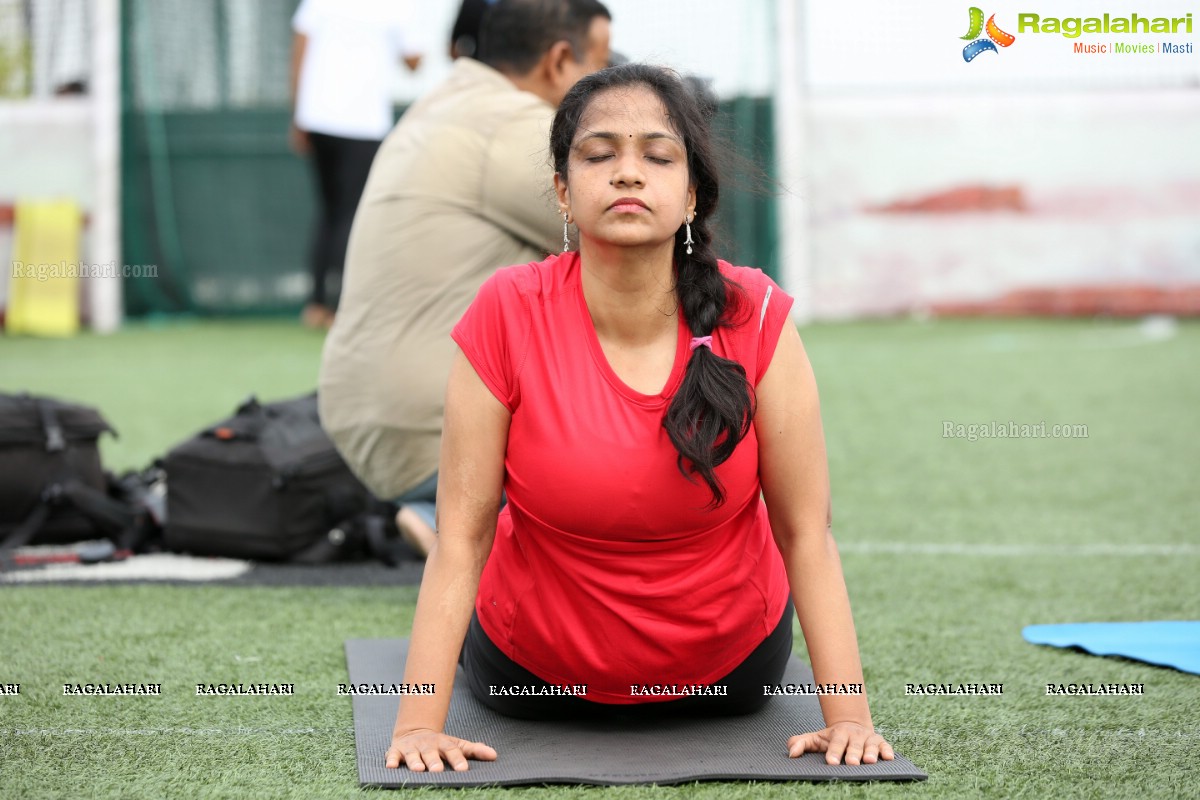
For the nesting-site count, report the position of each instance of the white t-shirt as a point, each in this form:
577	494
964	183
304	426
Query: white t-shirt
354	47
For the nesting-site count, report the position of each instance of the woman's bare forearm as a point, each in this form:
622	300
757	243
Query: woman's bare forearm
439	627
474	439
299	47
823	608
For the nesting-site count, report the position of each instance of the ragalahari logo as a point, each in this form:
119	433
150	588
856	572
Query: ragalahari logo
995	36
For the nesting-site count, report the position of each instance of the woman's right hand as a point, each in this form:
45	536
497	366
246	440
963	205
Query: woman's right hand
423	749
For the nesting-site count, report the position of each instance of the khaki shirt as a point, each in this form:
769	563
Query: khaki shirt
460	187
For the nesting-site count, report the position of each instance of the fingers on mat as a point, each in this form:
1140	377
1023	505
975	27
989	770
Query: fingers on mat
837	747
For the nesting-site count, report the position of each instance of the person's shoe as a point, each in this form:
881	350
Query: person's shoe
415	531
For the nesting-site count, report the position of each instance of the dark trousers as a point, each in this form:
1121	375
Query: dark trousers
485	665
341	167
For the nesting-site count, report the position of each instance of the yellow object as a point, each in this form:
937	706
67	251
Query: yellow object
43	285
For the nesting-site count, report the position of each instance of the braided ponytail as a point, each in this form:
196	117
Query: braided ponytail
714	407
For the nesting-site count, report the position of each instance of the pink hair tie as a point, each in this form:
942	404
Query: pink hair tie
702	341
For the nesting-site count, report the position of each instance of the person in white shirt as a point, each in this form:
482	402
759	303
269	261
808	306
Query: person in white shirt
343	56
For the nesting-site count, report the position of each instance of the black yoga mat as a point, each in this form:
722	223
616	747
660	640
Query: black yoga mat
602	753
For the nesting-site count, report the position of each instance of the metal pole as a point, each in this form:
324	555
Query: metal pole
105	87
790	117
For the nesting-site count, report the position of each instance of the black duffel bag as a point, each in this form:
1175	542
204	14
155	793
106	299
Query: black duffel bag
53	489
268	484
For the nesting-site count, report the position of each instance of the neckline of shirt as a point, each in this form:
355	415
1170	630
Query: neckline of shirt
575	281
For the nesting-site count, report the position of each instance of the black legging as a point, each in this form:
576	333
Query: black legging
486	665
341	167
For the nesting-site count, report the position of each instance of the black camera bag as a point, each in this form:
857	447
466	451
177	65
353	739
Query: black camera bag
268	484
53	489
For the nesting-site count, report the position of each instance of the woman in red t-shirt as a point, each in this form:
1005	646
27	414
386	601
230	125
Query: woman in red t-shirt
652	417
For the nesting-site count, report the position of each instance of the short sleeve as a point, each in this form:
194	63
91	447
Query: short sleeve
494	334
773	312
406	29
302	20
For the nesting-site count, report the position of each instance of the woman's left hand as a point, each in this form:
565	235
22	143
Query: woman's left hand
857	743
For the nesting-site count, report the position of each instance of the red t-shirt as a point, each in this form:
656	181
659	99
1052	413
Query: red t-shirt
606	568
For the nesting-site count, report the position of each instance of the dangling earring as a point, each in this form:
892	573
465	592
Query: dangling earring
688	241
566	237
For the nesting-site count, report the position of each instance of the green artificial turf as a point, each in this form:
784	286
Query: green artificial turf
949	548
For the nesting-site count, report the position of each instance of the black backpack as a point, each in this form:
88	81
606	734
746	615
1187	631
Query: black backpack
268	484
53	489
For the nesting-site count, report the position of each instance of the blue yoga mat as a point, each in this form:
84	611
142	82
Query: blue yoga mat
1167	644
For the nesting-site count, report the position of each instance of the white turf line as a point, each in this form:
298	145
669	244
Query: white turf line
1083	735
1150	330
1017	550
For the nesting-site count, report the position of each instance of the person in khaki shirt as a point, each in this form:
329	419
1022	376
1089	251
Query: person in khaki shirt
460	187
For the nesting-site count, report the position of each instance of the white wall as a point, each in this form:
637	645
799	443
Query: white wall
1101	149
1110	184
